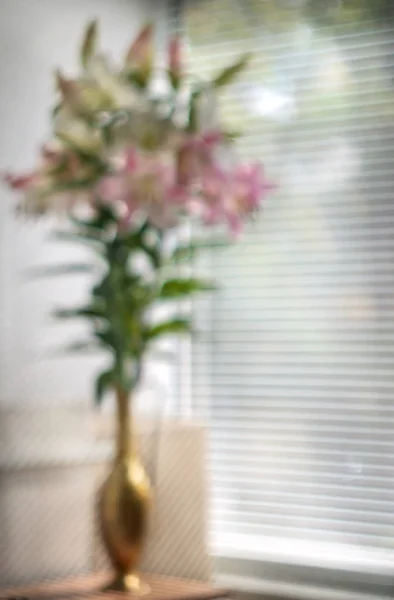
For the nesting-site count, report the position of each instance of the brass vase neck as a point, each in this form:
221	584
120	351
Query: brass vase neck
124	438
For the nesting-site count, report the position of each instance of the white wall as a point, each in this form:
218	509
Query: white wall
46	455
36	36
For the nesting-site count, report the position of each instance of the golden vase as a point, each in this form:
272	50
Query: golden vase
124	506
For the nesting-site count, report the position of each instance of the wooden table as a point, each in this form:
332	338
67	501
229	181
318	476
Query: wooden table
88	588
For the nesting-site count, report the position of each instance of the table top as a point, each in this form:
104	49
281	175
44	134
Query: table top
89	588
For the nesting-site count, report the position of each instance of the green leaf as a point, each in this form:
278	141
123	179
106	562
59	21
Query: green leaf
137	78
188	251
175	80
153	253
105	217
83	347
138	297
77	236
178	288
193	110
89	42
136	241
55	270
232	136
117	254
90	312
230	73
75	184
102	291
104	381
173	326
106	337
56	109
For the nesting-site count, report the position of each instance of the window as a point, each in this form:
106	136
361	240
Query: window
295	370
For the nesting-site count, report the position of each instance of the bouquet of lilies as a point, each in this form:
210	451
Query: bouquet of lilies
130	166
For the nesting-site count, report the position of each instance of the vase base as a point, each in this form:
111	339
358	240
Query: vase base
129	582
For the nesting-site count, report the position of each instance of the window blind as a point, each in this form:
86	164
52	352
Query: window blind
294	368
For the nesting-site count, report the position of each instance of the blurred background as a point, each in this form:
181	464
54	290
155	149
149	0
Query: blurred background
293	372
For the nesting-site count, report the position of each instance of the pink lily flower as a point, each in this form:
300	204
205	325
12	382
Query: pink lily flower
195	154
230	197
34	189
41	188
144	184
213	187
251	186
248	187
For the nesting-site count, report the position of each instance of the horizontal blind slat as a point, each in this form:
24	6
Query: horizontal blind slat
293	366
301	531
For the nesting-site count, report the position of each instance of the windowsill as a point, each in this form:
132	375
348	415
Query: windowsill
293	591
301	569
311	553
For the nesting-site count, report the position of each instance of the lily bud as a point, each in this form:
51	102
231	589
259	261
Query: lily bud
139	59
89	43
175	61
68	91
20	182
